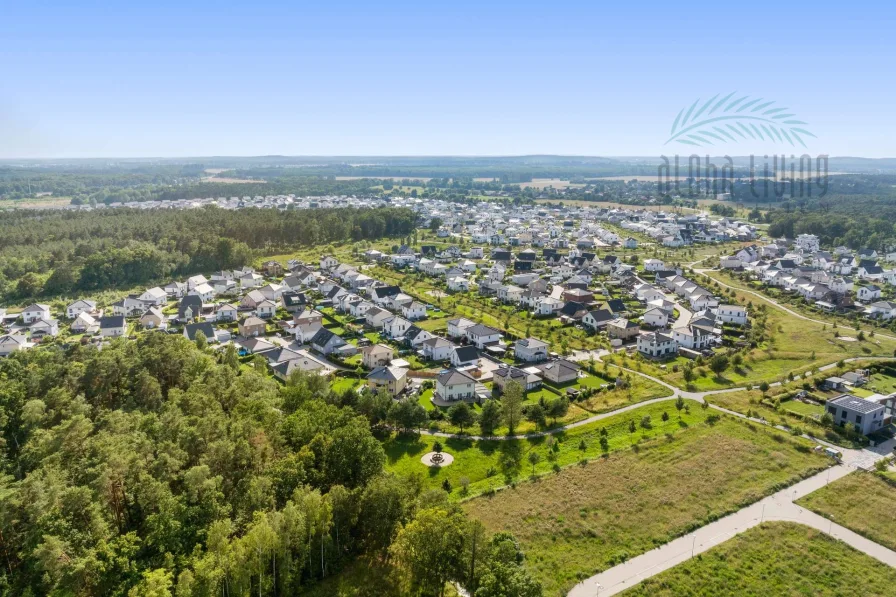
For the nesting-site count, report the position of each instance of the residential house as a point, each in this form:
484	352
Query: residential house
598	319
505	375
392	379
376	355
622	329
35	312
189	308
293	301
483	335
11	343
464	356
437	349
226	312
204	291
396	326
655	317
414	310
657	345
153	318
733	314
326	342
416	336
154	296
454	385
266	309
559	371
80	306
531	350
868	293
376	317
44	327
84	323
113	326
191	330
251	326
865	415
457	328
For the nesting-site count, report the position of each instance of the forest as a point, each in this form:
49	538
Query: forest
158	467
48	253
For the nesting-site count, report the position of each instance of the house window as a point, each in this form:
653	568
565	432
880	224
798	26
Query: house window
858	418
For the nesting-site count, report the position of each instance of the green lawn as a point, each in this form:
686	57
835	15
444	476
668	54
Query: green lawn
802	408
589	518
776	558
862	502
882	384
345	383
507	458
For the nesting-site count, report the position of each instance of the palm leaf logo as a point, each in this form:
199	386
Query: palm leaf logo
722	119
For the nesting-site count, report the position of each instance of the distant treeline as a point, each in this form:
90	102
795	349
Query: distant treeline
56	252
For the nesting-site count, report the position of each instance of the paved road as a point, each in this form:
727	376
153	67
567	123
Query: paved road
776	507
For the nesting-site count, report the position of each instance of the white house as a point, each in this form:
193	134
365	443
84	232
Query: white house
226	312
437	349
531	350
154	296
80	306
868	293
414	310
35	312
203	291
10	343
733	314
655	317
113	326
454	385
396	327
483	335
266	309
464	356
84	323
656	345
457	328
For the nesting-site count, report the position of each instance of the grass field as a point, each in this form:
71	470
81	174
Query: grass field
588	518
862	502
489	464
776	558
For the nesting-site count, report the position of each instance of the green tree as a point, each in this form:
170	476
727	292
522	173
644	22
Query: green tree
718	364
428	551
489	417
512	406
679	405
461	416
534	459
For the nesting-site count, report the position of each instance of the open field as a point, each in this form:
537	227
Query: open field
777	558
46	202
862	502
589	518
490	464
543	183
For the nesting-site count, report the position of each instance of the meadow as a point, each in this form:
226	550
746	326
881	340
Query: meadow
588	518
776	558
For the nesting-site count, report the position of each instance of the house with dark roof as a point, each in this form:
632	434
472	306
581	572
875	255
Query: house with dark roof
326	342
505	375
559	371
483	335
454	385
866	416
205	328
464	356
189	308
113	326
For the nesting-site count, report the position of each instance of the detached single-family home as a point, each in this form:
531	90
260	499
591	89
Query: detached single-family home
454	384
505	375
191	330
154	296
35	312
483	335
226	312
376	355
867	416
622	329
153	318
113	326
204	291
559	372
531	350
598	319
11	343
266	309
414	310
457	328
80	306
657	345
44	327
251	326
393	379
733	314
868	293
326	342
437	349
84	323
655	317
464	356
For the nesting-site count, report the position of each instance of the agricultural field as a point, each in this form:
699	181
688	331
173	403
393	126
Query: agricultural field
589	518
776	558
862	502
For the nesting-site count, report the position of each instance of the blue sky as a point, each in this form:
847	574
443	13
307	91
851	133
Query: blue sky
228	78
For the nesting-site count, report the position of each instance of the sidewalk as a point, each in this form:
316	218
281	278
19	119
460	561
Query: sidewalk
776	507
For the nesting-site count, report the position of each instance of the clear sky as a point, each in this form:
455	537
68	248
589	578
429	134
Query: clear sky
131	79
